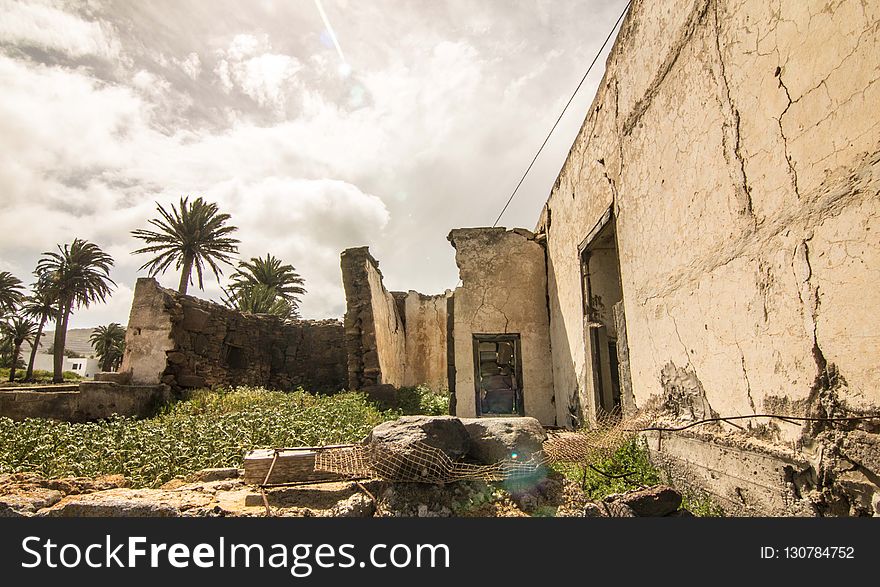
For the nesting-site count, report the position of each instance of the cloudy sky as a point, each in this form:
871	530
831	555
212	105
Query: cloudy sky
420	119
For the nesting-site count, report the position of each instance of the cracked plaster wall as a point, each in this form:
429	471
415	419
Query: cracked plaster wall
425	326
738	142
503	290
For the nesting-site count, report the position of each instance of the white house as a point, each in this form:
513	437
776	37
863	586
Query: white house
84	367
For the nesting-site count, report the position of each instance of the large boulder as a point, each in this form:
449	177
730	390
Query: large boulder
446	433
497	439
658	500
398	448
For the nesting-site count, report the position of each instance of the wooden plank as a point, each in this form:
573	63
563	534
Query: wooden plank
292	465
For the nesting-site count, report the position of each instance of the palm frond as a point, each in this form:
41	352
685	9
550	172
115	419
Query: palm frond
194	231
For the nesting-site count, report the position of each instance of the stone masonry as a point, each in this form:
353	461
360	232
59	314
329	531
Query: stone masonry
185	342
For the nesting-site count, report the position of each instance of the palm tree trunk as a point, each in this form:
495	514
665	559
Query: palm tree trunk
60	340
16	351
29	375
184	275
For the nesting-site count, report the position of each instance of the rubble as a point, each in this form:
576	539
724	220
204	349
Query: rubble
227	495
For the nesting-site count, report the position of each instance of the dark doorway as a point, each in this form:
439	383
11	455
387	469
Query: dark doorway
603	313
498	375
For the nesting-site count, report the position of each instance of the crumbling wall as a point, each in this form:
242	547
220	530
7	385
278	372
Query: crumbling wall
185	342
738	143
392	338
374	335
503	290
90	401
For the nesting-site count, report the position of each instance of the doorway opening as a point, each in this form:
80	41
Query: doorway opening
498	375
604	322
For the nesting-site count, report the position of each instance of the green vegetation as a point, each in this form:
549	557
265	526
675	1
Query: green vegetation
266	286
40	377
109	344
75	276
40	306
210	429
10	293
632	458
701	504
421	399
15	332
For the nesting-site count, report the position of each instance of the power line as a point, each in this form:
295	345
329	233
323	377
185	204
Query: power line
567	104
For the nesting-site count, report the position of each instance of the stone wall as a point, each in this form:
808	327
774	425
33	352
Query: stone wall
503	291
738	146
185	342
374	336
391	338
91	401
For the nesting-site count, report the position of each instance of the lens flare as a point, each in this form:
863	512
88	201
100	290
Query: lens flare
344	68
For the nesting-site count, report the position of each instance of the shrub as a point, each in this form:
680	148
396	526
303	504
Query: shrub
632	458
40	375
209	429
422	400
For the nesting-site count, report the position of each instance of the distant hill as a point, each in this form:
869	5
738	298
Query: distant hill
77	341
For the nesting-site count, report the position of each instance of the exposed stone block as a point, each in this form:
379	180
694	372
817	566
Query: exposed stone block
194	319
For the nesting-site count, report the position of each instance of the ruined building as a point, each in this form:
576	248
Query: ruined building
709	249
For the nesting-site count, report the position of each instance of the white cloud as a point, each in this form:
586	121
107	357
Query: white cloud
425	134
44	26
151	84
117	309
306	223
86	158
191	65
65	128
249	66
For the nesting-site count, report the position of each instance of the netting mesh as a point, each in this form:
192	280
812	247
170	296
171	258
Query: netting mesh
419	462
600	442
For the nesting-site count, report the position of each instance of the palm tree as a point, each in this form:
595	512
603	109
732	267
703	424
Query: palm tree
109	344
16	331
266	286
193	235
10	292
41	306
272	273
76	276
259	299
